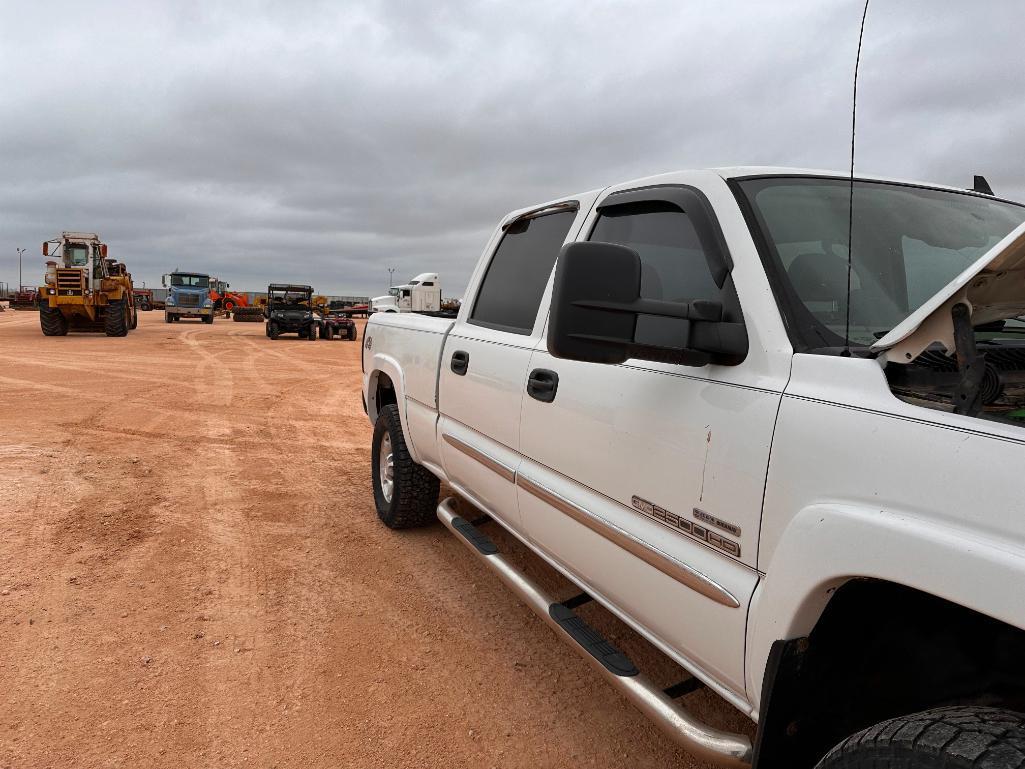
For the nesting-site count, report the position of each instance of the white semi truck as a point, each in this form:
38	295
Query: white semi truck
422	294
790	464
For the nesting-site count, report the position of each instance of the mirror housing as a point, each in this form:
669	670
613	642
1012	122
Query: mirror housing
103	250
46	249
163	280
599	316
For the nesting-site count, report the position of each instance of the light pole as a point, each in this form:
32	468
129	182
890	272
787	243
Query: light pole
20	252
391	271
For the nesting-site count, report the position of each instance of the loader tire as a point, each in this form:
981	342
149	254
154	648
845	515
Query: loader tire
52	321
405	493
959	737
115	319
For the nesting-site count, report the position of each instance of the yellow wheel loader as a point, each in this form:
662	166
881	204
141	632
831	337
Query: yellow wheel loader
85	290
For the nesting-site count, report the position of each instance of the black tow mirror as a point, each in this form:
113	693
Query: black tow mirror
599	316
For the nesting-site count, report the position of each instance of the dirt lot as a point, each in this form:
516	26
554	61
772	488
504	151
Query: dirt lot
192	575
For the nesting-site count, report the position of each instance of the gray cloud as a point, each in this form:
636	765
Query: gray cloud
326	141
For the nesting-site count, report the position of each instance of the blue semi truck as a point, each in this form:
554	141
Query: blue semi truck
188	296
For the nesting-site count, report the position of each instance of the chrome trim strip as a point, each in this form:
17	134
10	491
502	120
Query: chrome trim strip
650	554
489	462
704	741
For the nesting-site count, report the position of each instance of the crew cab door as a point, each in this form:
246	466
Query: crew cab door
484	361
645	479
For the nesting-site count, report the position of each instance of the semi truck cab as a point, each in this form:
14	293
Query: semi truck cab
188	296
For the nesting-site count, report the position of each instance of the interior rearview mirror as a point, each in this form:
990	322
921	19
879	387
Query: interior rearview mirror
599	316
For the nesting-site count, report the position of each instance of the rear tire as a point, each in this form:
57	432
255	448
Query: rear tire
327	333
352	334
405	493
135	318
52	321
961	737
115	319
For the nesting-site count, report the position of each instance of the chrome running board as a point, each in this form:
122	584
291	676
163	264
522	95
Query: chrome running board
703	741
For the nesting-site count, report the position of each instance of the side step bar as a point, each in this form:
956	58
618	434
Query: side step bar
722	748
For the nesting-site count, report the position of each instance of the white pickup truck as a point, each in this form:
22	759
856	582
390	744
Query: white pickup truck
794	474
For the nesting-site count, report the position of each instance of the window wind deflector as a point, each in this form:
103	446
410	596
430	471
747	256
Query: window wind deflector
551	208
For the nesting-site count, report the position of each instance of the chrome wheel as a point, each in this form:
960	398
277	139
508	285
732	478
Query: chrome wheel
386	465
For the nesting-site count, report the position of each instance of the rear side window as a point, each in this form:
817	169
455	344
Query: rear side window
510	293
674	267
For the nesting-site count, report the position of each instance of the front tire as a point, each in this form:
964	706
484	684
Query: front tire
960	737
311	333
208	319
405	493
115	319
52	321
272	330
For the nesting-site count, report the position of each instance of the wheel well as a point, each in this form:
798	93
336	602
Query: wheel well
881	650
384	392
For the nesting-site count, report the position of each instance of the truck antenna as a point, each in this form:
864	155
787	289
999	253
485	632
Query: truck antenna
850	202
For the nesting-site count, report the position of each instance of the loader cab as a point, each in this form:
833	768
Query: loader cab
76	255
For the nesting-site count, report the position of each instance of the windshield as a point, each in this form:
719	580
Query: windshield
76	255
393	291
909	242
192	281
289	297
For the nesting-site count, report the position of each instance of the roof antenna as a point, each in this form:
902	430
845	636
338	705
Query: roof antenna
981	185
850	206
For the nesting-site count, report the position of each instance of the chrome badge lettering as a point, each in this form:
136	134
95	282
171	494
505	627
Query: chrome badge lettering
694	530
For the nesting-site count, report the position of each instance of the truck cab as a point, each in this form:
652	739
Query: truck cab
779	442
188	296
422	294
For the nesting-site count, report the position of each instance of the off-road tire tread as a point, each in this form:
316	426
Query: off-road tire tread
52	321
415	495
956	737
114	323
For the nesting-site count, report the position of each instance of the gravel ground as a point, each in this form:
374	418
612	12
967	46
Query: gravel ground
192	575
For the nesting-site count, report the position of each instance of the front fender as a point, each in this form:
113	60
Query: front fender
825	546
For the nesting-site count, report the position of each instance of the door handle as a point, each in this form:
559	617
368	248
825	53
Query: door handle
542	385
460	362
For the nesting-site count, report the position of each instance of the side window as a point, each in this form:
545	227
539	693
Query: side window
674	267
510	294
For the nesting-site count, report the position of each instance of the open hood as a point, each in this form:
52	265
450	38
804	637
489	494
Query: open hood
993	288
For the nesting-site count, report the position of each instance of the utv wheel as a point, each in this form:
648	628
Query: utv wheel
946	738
115	319
272	330
52	321
311	333
352	334
405	493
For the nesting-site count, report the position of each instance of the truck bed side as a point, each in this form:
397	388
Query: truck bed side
401	360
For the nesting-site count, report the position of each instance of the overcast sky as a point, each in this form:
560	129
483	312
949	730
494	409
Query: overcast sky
324	142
